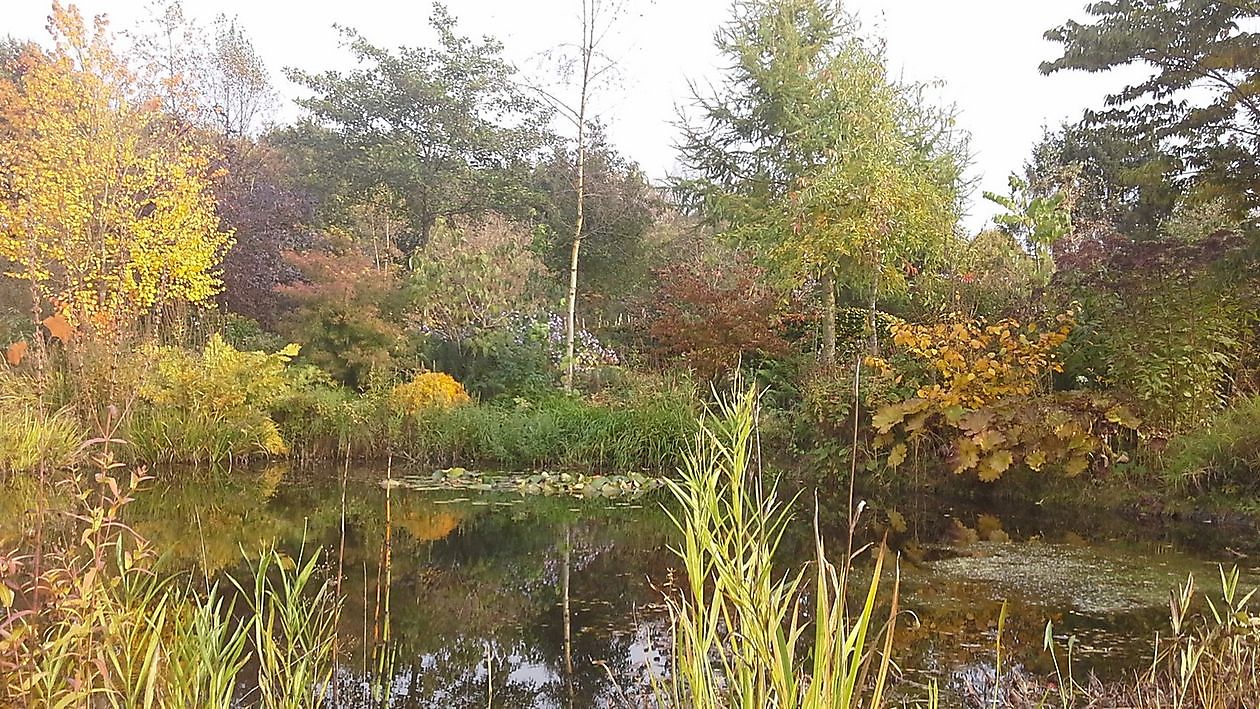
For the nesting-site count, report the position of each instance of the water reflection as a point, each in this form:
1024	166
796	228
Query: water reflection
544	602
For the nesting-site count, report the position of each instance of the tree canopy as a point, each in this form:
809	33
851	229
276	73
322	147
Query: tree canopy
810	150
104	205
1201	101
446	131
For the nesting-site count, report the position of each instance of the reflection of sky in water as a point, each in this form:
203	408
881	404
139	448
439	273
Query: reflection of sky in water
481	572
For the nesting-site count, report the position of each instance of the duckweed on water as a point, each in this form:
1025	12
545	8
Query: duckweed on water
1082	578
630	484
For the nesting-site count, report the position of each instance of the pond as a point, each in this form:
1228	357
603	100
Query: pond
497	599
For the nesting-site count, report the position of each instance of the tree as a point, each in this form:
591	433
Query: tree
1038	222
215	79
268	216
238	86
712	313
1116	180
1202	98
445	131
809	150
619	208
341	312
589	65
475	276
104	211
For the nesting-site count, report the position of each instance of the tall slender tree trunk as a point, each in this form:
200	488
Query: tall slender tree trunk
828	355
588	49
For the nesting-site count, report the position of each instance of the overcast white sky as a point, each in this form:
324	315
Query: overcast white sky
985	51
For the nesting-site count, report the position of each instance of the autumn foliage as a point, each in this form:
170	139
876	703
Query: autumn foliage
986	400
709	315
429	390
105	206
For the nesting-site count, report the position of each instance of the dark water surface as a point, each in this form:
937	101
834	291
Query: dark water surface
508	601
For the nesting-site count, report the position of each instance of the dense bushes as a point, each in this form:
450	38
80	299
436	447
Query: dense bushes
209	406
1224	454
223	404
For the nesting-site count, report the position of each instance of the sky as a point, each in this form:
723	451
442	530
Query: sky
984	53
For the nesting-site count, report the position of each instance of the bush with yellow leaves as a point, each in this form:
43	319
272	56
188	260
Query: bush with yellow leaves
986	399
429	390
210	405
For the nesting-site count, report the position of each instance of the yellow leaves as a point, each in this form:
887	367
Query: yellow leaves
1035	459
897	455
979	396
1075	466
989	439
977	363
429	390
994	464
1123	416
968	455
114	212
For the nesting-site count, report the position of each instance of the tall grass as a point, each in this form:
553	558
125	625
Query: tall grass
294	632
87	621
29	433
552	432
1209	659
741	634
1224	454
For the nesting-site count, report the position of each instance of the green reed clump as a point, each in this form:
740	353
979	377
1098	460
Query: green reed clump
294	632
29	433
29	437
741	635
87	620
1223	454
553	432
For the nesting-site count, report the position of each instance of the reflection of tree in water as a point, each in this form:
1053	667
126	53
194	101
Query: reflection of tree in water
204	519
497	583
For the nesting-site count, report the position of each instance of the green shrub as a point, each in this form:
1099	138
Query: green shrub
1225	453
28	434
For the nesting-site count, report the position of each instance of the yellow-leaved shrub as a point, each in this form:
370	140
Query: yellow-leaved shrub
429	390
985	396
212	404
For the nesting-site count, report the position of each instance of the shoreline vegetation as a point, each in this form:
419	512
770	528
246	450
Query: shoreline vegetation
186	284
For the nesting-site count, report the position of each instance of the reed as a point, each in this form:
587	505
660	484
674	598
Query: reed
740	630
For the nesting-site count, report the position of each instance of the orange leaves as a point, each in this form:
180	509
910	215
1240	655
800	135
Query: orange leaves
15	353
59	327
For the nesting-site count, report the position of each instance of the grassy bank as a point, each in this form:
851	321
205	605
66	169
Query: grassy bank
223	405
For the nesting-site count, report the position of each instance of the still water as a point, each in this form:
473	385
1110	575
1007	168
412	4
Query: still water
510	601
